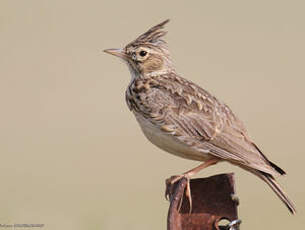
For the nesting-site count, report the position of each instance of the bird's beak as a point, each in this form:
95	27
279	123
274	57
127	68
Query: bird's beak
117	52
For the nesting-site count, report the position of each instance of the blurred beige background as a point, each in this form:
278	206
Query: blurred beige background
73	156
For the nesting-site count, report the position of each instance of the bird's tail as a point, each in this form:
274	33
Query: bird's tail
269	179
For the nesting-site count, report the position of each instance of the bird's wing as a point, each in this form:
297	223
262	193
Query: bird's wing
195	117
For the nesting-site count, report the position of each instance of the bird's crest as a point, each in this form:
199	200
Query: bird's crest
152	37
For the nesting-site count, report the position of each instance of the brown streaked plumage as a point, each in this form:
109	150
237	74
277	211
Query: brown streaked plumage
182	118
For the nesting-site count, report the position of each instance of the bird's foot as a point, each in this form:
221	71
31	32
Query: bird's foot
174	179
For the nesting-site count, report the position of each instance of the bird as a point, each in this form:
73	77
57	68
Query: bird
182	118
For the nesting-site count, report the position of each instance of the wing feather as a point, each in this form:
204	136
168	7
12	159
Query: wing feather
201	121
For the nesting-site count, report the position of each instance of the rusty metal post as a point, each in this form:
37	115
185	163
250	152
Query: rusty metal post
213	200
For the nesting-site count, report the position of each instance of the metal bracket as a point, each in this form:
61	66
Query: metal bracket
213	200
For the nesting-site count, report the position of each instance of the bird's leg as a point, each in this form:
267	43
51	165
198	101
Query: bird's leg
188	176
193	171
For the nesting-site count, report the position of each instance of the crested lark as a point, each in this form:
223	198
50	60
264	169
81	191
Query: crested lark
181	118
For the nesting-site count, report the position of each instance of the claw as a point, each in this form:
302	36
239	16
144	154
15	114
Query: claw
169	182
174	179
188	175
167	192
188	194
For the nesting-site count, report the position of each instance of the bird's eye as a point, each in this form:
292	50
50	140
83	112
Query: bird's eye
143	53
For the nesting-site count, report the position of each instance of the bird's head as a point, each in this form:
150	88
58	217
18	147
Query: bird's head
148	54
